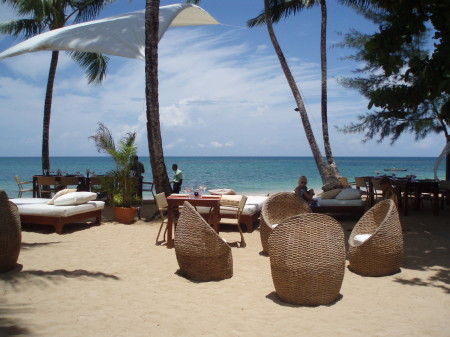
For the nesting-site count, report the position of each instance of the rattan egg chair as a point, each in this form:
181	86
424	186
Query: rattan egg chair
201	253
276	208
307	259
10	233
379	252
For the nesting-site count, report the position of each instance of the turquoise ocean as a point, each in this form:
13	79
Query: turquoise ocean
246	175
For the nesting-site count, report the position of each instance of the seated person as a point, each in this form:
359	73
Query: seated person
388	190
302	191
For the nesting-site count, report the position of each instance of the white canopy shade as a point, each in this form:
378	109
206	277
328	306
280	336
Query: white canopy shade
122	35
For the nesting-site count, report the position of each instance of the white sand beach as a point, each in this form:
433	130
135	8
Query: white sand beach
112	280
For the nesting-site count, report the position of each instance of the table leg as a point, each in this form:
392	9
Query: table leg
169	225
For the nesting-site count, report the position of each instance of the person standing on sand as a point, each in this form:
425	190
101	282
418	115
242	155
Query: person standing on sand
177	179
302	191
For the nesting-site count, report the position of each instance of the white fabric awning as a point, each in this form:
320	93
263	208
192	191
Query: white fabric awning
122	35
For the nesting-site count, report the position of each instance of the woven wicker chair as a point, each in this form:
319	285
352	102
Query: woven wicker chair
10	233
276	208
380	254
201	253
307	259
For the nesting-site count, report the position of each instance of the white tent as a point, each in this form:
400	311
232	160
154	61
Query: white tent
122	35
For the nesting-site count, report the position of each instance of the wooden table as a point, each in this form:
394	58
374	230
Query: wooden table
405	187
173	201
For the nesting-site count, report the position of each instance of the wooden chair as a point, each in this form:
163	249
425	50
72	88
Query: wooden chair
161	203
201	253
21	188
277	208
46	186
376	241
235	204
377	189
345	183
148	186
307	259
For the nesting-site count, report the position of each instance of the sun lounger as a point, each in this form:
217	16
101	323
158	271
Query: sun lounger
335	206
37	211
250	215
340	201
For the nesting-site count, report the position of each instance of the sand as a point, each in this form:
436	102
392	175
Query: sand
112	280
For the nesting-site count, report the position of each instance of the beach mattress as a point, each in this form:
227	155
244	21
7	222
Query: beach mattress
37	211
39	206
339	206
337	202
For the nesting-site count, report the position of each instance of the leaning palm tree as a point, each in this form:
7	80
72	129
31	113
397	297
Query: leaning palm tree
283	8
329	180
159	172
38	16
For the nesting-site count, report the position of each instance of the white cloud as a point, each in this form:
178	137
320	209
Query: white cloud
217	95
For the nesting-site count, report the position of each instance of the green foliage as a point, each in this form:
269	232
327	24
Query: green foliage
118	183
407	86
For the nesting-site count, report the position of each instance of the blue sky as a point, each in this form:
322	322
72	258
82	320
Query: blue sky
222	91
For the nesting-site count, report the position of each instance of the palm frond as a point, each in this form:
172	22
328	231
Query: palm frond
282	9
23	27
95	64
88	9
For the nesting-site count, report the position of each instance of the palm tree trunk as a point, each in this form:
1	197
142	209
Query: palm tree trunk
48	112
159	172
324	98
321	166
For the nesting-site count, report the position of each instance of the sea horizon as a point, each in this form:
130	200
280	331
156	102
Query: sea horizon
251	175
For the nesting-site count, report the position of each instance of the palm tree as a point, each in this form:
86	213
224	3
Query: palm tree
159	172
52	14
283	8
329	180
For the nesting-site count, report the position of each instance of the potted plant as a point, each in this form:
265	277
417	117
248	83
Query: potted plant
119	183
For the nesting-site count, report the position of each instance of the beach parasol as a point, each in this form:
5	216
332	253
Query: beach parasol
122	35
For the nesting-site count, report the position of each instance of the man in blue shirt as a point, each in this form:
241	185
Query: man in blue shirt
177	179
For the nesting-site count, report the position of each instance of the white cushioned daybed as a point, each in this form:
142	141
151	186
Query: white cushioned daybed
69	210
250	215
340	201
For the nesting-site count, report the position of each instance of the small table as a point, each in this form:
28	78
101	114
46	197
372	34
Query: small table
173	201
405	187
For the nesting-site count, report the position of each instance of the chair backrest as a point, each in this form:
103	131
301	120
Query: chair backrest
161	200
307	259
147	186
233	203
201	253
281	206
344	182
242	204
381	251
360	182
376	184
18	181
